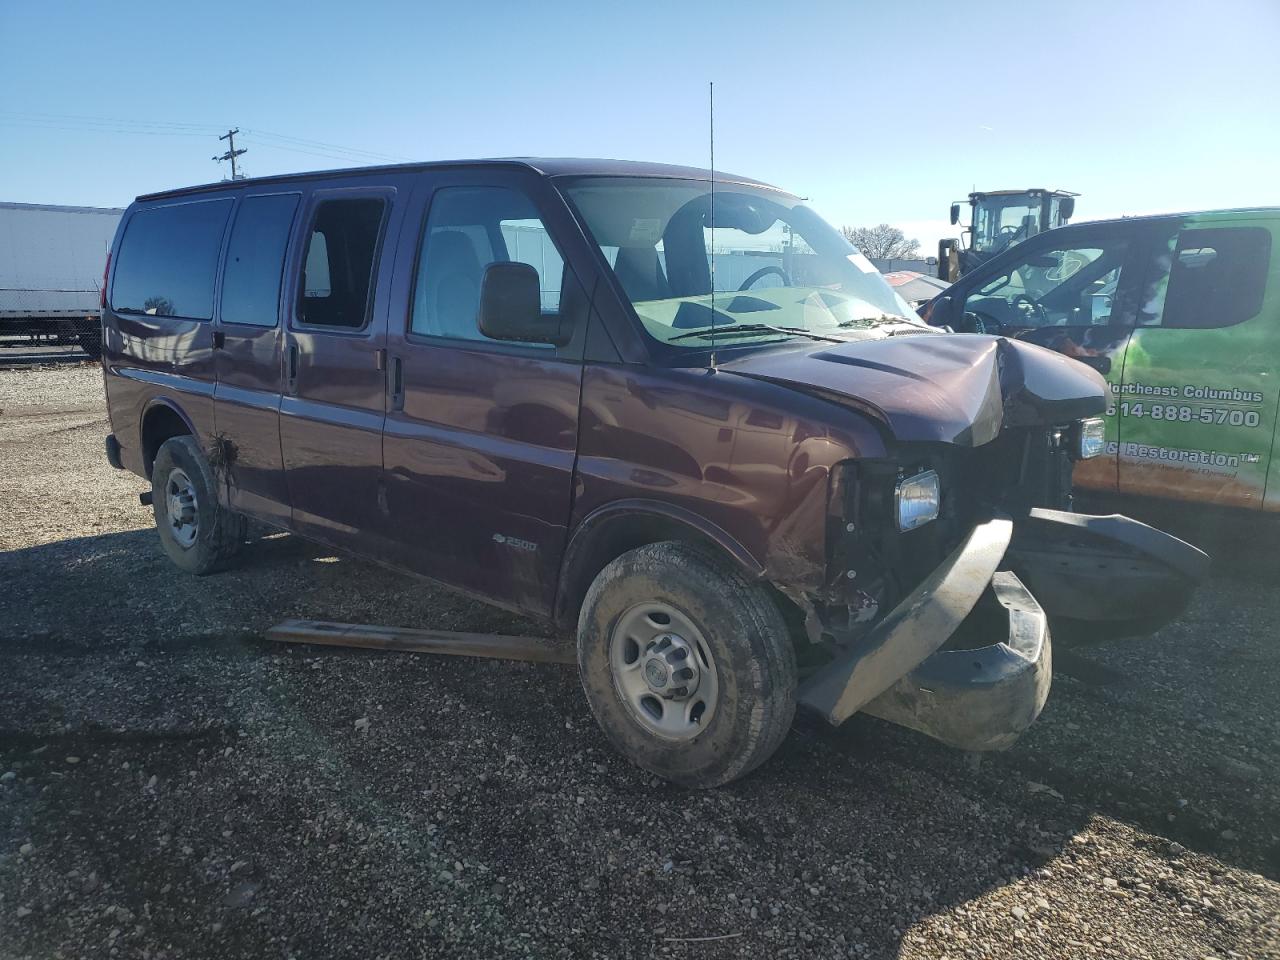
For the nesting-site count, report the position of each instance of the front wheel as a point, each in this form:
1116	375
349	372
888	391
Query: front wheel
687	665
197	532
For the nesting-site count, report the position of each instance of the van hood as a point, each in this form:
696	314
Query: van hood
951	388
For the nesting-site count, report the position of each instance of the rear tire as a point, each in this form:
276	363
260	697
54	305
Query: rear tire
687	665
197	533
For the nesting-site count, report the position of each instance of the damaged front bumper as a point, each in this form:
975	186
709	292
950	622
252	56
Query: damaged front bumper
981	695
1105	569
979	698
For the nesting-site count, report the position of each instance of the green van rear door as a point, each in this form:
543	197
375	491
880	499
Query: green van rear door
1196	410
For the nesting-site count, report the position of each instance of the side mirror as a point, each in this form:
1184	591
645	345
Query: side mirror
511	305
1066	208
955	214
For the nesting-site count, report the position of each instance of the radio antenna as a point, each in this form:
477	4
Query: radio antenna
712	117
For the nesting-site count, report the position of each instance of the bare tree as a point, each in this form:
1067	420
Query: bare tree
883	242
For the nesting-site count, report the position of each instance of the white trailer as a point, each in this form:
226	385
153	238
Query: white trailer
51	264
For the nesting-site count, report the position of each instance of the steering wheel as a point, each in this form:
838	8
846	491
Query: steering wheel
764	272
1036	309
1009	235
974	322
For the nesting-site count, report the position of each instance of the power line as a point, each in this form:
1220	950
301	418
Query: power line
37	125
154	128
350	158
232	152
81	118
325	146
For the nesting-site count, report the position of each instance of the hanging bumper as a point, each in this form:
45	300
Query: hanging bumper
1105	569
979	688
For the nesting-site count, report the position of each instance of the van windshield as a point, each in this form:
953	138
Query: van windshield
765	267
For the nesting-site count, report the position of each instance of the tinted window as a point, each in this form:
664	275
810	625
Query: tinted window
168	259
1214	277
467	229
255	260
341	252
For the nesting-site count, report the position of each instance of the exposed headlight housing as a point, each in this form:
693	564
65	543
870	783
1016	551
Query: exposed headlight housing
1089	438
916	500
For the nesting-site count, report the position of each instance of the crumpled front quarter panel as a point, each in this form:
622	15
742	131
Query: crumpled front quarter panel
750	459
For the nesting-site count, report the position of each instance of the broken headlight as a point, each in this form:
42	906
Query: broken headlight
916	500
1088	438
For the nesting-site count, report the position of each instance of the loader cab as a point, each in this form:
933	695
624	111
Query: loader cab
998	220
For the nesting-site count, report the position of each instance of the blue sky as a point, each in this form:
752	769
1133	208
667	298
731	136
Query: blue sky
876	111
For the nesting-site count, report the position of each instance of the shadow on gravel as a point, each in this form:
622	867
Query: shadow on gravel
465	803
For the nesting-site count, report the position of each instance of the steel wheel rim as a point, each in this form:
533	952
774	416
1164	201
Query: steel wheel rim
182	507
663	670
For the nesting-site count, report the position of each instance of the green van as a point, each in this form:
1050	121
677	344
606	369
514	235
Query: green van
1181	314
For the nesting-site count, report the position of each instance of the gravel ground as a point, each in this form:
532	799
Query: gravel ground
171	785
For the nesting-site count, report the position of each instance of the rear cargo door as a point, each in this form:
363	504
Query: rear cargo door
1197	404
247	343
160	311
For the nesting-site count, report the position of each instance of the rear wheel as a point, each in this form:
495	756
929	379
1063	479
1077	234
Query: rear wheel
197	533
688	666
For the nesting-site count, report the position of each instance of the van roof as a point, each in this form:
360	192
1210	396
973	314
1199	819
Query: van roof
1153	217
546	166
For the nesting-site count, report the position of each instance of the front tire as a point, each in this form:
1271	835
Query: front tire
197	533
687	665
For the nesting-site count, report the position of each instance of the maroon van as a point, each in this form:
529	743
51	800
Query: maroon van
680	418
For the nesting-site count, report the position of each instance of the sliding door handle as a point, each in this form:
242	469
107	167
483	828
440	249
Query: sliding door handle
397	384
291	368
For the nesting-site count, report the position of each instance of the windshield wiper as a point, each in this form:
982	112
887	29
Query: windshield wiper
710	332
872	321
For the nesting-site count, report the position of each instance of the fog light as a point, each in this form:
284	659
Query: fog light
1090	438
916	500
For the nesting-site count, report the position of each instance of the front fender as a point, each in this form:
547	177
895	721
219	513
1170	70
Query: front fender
625	524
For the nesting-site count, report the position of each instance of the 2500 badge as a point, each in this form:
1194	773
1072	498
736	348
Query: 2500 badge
1172	412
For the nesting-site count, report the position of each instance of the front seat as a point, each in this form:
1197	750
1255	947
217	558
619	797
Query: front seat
451	288
639	271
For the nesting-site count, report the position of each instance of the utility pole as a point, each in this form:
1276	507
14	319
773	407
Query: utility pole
232	152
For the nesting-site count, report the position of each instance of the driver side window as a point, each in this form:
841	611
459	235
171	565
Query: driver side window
1055	287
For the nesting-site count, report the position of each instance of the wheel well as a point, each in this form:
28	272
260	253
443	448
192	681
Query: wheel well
612	539
160	423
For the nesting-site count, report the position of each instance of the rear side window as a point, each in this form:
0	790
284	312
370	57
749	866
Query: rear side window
1215	277
341	252
255	260
168	259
